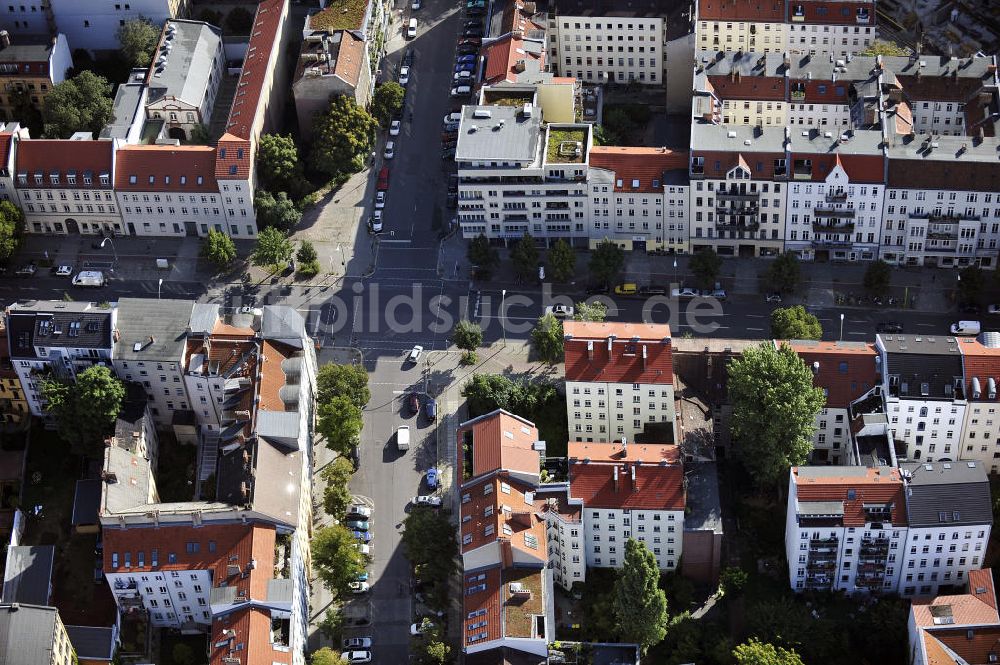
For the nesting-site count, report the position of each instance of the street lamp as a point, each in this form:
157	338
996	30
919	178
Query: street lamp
343	260
675	270
159	286
503	296
105	242
841	327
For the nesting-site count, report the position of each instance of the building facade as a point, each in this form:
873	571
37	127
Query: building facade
29	70
980	438
963	626
619	381
34	635
94	26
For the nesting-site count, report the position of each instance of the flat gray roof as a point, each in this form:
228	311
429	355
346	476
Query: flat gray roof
26	634
507	135
151	329
859	141
28	574
704	507
127	105
185	75
737	138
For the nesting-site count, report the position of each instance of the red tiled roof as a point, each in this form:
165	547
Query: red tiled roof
760	164
6	141
485	508
748	87
820	91
233	158
656	486
250	627
981	362
502	57
742	10
642	164
250	91
272	376
500	440
981	587
485	602
973	645
624	363
835	13
878	485
847	370
648	453
976	607
46	156
167	165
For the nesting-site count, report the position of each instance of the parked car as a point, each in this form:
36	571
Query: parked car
363	576
463	76
360	525
889	327
596	289
467	49
718	292
64	271
432	478
560	311
427	500
91	278
685	292
390	150
465	58
359	510
28	270
966	328
356	657
415	354
375	221
414	402
394	127
628	289
379	200
453	117
773	296
415	5
358	587
464	70
473	32
404	75
652	291
430	409
473	24
420	627
461	91
411	29
364	549
408	57
363	536
470	41
383	178
448	152
357	643
451	127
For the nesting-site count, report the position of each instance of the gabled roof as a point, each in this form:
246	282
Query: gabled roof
845	370
948	494
981	363
833	13
152	329
639	486
759	11
931	361
500	440
250	93
501	508
975	607
963	646
246	636
26	634
158	168
6	142
850	488
233	158
618	352
647	453
63	157
638	169
503	56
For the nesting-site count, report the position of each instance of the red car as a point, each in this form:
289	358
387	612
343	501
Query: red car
383	179
414	403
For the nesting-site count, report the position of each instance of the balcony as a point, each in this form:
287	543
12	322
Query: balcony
953	218
862	19
745	209
736	195
515	218
798	95
833	227
737	226
838	196
801	174
825	242
798	18
828	211
824	542
556	205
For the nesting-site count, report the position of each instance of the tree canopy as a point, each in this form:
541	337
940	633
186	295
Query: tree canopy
884	47
278	166
590	311
795	323
755	652
467	335
348	380
277	211
387	102
337	495
524	256
606	262
138	37
342	137
85	411
273	248
640	605
239	21
339	422
547	338
218	248
783	274
80	104
326	656
335	559
483	256
11	227
774	410
430	545
877	277
562	261
705	266
971	282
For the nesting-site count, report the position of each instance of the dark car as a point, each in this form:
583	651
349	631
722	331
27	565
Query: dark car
408	57
414	401
473	32
470	41
596	289
889	327
431	409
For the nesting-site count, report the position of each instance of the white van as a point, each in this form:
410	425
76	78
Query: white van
970	328
403	437
411	29
92	278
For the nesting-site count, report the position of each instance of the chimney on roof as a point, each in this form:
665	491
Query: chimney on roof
624	447
635	487
590	349
4	39
815	367
644	358
615	476
610	340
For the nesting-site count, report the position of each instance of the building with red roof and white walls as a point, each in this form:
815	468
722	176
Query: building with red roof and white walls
619	381
981	425
957	629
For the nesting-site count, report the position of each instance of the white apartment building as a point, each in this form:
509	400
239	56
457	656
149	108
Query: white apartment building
981	428
845	371
10	134
741	25
516	176
639	197
59	337
924	387
619	381
94	25
950	516
838	28
66	187
150	351
631	491
565	533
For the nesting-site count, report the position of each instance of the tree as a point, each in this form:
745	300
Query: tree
430	545
483	256
562	261
326	655
774	410
783	274
339	422
795	323
547	338
606	262
387	102
971	282
467	335
276	211
211	17
11	227
80	104
342	137
335	559
755	652
432	650
239	21
278	166
877	277
85	411
350	381
138	37
640	605
705	266
590	311
218	248
182	654
200	135
308	259
732	580
524	256
884	47
273	248
337	496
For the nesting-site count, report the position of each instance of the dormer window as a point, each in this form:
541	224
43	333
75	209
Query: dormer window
22	178
87	179
184	179
635	184
105	179
200	180
71	178
152	179
54	177
239	153
38	178
798	10
131	180
222	153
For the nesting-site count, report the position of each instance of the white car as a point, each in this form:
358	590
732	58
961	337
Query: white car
686	292
416	5
420	628
411	29
379	200
390	150
358	587
364	549
427	500
993	309
356	656
376	222
463	77
452	118
404	75
560	311
461	91
774	296
394	128
64	271
360	510
415	353
358	643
